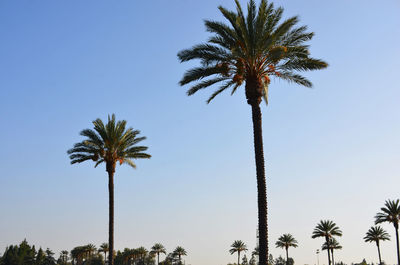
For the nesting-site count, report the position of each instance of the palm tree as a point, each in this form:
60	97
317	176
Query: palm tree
110	143
376	234
90	248
64	256
104	248
157	249
326	229
238	246
142	252
333	244
391	214
180	251
250	50
285	241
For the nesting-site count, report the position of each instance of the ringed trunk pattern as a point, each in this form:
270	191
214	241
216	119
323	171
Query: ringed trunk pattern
111	170
253	94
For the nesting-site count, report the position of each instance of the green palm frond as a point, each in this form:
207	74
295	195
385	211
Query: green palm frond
109	143
376	234
253	45
326	228
286	241
238	246
390	213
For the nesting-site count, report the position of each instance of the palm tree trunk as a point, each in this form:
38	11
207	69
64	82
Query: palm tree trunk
329	253
287	256
111	170
158	258
333	260
379	252
261	183
396	226
238	257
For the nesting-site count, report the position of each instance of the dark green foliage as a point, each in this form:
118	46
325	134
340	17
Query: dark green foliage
259	44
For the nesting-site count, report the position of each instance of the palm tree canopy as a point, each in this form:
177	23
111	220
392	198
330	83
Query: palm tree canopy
326	228
333	244
286	241
375	234
180	251
390	213
255	46
103	247
238	246
109	143
158	248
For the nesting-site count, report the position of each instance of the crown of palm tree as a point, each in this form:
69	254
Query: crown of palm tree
180	251
158	248
326	228
331	244
286	241
103	247
238	246
375	234
109	143
251	48
390	213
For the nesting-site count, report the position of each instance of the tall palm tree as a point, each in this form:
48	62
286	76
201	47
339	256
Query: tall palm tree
157	249
326	229
333	244
238	246
250	50
109	144
104	248
391	214
285	241
377	234
180	251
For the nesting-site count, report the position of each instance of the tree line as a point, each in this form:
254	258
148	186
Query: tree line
25	254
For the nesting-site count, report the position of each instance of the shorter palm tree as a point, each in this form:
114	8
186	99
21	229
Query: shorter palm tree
376	234
104	248
180	251
326	229
157	249
238	246
391	214
333	244
285	241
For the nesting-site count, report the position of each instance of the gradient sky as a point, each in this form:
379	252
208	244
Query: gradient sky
332	152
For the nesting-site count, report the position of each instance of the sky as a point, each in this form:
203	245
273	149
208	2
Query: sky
332	152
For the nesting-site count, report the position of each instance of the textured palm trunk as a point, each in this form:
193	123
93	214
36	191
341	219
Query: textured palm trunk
379	252
329	253
111	170
287	256
254	90
333	260
396	226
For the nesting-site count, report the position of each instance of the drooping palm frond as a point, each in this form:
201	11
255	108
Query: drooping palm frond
326	228
286	241
254	45
331	244
238	246
390	213
109	143
376	234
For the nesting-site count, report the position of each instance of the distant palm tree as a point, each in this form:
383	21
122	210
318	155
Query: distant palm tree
256	251
142	252
64	256
376	234
90	248
326	229
285	241
238	246
109	144
180	251
333	244
249	51
104	248
157	249
391	214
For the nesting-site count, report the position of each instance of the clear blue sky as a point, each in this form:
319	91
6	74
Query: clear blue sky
332	152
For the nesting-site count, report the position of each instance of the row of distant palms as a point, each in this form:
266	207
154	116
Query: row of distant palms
328	230
81	253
